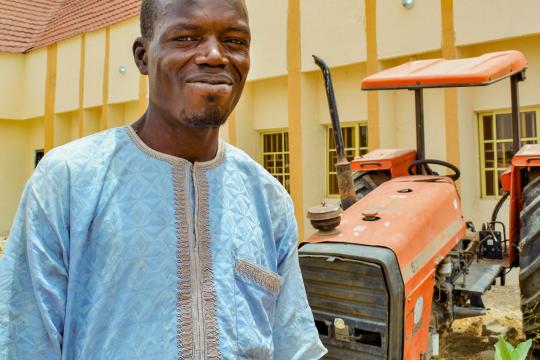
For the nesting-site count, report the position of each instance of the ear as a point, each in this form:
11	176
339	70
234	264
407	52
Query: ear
140	54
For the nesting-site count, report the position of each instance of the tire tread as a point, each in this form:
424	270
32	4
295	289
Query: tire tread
529	277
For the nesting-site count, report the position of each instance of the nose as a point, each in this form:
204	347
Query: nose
211	54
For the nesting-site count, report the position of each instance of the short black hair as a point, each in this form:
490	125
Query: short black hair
149	14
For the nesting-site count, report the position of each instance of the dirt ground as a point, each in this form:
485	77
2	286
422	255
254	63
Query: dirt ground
474	338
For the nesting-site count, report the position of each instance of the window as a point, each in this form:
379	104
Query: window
275	155
355	140
495	130
38	155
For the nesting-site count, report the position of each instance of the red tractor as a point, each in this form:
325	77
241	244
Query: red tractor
400	264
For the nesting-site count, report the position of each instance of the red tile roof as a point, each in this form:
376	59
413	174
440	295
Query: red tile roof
29	24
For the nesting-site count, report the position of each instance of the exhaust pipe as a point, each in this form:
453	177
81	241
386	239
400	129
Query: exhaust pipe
347	193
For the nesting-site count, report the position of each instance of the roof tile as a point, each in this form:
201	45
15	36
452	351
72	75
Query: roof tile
30	24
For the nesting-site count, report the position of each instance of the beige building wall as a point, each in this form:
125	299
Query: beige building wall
481	21
268	21
388	113
33	77
470	163
403	31
123	87
334	31
313	146
14	137
12	91
350	98
91	120
66	128
131	112
270	103
67	80
248	138
405	125
117	113
93	71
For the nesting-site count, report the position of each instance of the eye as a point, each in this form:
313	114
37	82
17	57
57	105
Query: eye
237	41
186	38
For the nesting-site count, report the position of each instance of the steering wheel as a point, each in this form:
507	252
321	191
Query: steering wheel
424	163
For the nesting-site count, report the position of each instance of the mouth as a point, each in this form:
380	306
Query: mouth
211	80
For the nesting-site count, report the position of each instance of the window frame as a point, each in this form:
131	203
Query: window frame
481	142
262	153
357	149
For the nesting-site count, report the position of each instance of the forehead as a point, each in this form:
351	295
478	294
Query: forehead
203	10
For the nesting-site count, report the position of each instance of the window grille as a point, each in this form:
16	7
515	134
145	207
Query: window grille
275	155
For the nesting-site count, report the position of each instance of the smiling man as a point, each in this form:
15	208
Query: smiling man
158	240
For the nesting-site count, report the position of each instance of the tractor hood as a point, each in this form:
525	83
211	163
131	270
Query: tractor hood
419	218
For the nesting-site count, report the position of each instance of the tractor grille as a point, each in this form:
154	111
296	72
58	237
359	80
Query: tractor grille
356	292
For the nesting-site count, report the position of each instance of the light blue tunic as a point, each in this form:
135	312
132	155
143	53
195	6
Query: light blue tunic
121	252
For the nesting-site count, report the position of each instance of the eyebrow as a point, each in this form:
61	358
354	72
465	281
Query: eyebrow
184	26
239	28
191	26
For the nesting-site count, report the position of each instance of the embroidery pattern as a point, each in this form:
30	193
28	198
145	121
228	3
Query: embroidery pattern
261	276
205	256
187	329
184	316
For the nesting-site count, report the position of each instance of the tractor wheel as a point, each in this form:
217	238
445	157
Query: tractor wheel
529	262
366	181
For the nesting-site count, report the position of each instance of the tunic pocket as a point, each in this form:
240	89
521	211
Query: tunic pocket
265	278
256	294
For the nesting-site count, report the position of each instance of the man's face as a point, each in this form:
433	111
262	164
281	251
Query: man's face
198	60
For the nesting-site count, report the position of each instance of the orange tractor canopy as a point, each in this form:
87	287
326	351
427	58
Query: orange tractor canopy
440	73
401	263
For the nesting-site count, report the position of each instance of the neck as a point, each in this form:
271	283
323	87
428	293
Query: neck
175	138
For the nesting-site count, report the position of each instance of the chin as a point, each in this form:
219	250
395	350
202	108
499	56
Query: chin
207	119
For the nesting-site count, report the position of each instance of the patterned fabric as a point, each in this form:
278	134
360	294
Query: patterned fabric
121	252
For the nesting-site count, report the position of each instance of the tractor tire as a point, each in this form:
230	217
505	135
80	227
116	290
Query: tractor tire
366	181
529	262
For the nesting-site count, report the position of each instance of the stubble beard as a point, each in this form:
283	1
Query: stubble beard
210	119
213	117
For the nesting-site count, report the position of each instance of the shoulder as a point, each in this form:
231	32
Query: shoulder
86	155
90	149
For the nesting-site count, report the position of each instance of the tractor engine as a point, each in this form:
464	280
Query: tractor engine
466	273
451	300
373	281
396	270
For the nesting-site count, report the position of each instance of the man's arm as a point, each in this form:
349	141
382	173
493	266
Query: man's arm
33	271
295	335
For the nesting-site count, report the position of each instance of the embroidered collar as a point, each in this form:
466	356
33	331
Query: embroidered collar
217	160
